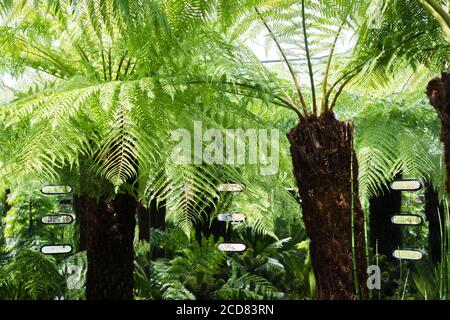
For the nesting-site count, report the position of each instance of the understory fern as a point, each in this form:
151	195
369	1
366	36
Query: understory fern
195	271
391	147
30	275
243	285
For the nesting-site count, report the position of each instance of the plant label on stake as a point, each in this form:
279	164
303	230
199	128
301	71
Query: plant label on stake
231	247
230	187
406	185
233	217
407	219
408	254
56	249
56	189
60	218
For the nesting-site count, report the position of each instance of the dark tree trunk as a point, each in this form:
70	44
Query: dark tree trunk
109	243
209	225
435	215
438	91
158	215
80	207
212	227
152	217
143	215
323	159
384	235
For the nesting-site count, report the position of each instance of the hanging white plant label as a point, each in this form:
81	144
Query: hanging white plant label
56	249
408	254
233	217
406	185
60	218
230	187
56	189
231	247
407	219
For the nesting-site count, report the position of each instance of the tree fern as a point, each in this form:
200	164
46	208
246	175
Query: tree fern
405	35
123	87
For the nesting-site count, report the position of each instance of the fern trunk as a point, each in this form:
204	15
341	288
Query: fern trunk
152	217
384	235
211	227
158	215
325	168
109	243
207	225
143	215
438	91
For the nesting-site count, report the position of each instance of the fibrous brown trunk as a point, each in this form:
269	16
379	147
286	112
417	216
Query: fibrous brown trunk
384	235
109	243
438	91
323	159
